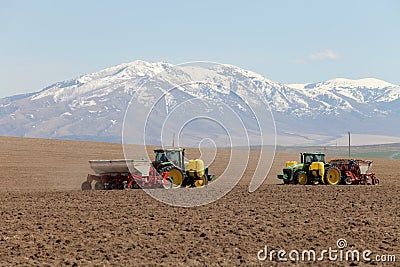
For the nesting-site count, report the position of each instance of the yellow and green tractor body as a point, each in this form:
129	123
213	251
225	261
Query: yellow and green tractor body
181	173
312	169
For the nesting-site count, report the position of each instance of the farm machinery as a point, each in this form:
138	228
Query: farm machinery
313	169
168	170
355	171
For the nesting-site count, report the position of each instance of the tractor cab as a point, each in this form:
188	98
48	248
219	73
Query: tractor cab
308	158
168	156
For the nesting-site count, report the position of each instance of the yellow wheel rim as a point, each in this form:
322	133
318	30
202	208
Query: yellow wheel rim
201	182
333	176
176	177
303	179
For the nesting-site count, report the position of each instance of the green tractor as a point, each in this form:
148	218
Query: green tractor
181	173
312	169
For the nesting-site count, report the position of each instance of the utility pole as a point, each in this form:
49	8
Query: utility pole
349	144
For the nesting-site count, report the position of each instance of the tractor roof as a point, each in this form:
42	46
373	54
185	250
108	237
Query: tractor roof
313	153
168	149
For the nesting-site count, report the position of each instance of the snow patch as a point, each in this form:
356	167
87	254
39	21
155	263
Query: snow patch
297	85
361	83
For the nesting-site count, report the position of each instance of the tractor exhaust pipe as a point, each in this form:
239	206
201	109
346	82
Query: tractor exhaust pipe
301	158
183	160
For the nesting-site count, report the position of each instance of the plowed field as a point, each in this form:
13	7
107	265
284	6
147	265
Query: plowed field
47	220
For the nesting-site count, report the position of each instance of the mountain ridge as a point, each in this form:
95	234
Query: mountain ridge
98	100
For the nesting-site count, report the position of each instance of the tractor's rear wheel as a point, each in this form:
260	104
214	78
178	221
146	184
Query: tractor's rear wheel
176	176
332	176
301	177
203	181
86	186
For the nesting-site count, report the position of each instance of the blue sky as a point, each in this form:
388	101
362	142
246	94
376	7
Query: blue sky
43	42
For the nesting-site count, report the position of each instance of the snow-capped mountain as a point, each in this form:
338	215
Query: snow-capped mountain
92	107
343	94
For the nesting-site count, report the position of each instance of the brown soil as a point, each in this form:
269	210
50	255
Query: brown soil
47	220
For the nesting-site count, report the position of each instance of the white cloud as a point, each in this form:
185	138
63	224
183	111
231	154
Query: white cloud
323	55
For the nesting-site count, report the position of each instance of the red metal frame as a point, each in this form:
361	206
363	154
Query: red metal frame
132	181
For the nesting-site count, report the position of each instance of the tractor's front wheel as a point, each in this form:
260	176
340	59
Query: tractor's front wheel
332	176
301	178
203	181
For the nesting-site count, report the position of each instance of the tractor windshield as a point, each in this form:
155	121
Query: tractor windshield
161	157
314	158
174	157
